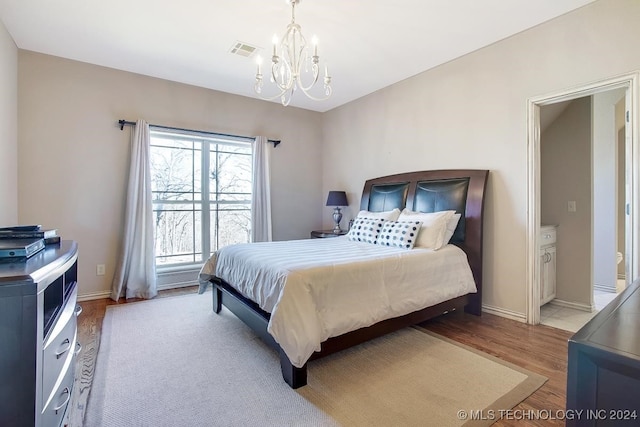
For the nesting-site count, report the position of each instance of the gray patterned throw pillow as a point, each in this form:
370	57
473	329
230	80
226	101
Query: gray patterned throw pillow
365	230
401	234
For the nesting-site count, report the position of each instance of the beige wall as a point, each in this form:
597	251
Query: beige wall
471	113
8	129
73	158
468	113
566	173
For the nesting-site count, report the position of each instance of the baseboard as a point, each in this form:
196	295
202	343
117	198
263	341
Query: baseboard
513	315
574	305
177	285
107	294
604	288
93	296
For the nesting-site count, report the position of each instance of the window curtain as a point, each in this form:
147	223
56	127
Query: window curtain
135	275
261	191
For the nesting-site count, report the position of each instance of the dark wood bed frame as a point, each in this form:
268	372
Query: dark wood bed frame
427	191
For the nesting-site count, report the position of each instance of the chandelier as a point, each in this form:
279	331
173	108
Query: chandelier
293	67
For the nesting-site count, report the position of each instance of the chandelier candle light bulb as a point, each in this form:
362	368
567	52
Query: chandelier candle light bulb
290	69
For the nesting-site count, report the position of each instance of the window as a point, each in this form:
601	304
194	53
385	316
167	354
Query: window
201	186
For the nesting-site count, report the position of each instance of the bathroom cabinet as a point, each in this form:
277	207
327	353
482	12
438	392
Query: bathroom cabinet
547	263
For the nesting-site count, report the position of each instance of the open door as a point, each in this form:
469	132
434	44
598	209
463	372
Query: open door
631	83
631	232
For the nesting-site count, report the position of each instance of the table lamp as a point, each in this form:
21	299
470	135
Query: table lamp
337	199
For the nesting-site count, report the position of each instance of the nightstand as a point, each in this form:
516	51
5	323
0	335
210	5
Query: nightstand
321	234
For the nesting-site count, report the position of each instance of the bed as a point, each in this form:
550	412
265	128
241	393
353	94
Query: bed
277	300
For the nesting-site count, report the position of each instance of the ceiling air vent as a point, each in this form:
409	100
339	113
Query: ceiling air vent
243	49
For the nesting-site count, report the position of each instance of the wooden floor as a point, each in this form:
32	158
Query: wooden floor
540	349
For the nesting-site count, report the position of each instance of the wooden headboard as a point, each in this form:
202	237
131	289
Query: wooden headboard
431	191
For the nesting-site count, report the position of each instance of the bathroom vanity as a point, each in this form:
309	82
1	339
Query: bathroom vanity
548	235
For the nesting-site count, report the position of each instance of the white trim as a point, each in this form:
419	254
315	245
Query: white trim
95	295
631	83
513	315
175	268
634	110
574	305
178	278
107	294
532	314
177	285
604	288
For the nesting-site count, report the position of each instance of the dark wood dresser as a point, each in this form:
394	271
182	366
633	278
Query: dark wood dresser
38	336
603	377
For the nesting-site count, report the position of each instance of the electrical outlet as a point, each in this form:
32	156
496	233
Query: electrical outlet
571	206
100	270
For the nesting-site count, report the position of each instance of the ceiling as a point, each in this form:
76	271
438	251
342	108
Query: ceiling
367	44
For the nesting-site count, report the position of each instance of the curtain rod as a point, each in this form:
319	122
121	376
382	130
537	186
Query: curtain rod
124	123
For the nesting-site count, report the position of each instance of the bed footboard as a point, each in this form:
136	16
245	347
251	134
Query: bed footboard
295	377
217	299
258	319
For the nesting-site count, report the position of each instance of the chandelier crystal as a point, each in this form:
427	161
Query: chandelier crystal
293	66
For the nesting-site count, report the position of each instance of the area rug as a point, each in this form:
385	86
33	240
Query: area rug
173	362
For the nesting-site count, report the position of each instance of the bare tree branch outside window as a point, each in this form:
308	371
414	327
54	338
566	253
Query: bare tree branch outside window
184	205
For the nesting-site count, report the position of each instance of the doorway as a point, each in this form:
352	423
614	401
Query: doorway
536	273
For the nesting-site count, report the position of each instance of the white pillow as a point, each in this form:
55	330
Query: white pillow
451	228
365	230
434	224
400	234
386	215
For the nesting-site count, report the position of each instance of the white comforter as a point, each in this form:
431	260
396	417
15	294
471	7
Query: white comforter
319	288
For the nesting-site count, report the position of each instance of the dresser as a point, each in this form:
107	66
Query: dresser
603	372
547	252
38	336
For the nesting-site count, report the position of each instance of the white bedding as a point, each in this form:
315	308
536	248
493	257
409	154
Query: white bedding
319	288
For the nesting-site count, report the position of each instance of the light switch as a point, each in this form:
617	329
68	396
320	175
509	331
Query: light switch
571	206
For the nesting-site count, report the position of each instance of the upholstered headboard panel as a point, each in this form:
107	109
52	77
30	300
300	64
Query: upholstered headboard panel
422	196
444	195
386	197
